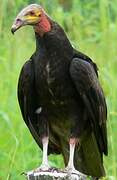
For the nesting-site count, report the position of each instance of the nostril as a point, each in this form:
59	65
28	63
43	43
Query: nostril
18	20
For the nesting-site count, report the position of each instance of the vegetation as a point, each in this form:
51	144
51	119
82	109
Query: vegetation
91	26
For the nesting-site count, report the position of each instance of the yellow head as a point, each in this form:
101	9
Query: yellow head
31	15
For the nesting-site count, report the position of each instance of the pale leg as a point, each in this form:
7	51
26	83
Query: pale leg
70	167
45	165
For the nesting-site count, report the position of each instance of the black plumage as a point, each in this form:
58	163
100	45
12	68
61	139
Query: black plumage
60	95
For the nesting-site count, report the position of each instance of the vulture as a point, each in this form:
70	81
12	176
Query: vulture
61	99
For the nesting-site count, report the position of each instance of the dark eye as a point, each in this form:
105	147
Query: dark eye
32	13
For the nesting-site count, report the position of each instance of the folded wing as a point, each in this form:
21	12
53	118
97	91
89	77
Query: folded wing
86	82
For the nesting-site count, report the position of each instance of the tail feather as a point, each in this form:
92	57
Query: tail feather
88	159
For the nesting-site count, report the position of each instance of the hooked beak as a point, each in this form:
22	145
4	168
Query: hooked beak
27	16
16	25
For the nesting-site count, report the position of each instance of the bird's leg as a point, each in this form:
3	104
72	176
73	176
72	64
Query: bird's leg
45	165
70	167
72	144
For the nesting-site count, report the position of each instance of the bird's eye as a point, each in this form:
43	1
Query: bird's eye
32	13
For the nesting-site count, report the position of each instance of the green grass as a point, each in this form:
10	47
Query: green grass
91	27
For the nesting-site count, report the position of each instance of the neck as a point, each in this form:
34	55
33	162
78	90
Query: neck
39	42
54	41
43	26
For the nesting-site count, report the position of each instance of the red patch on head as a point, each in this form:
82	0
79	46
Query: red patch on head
43	26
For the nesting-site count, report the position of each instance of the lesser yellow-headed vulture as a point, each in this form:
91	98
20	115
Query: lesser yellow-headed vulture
60	97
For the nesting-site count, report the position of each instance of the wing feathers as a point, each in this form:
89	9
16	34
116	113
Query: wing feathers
85	79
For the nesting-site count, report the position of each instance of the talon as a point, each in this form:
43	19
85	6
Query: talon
52	169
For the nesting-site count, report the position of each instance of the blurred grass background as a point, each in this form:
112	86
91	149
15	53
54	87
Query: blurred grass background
91	27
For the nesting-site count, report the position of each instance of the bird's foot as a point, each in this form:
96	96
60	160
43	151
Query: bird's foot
45	168
72	170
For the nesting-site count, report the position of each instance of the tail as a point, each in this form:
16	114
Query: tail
88	158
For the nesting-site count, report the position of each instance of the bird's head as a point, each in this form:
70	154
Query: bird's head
32	15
